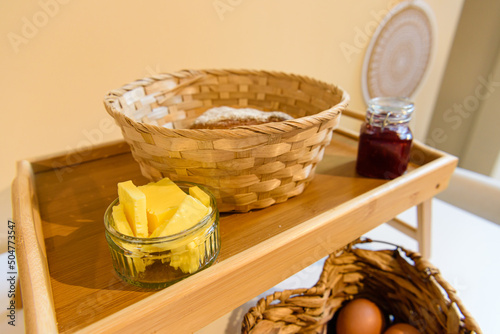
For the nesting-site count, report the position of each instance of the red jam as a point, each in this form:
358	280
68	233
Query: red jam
385	138
383	153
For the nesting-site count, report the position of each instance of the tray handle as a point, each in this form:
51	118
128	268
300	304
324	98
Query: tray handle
39	312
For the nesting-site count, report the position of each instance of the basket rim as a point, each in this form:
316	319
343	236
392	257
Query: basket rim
323	288
242	131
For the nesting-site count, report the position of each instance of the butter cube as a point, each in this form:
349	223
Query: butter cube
134	206
200	195
121	222
187	258
162	199
188	214
155	219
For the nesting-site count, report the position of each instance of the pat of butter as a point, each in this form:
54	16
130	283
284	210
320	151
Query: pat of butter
162	199
188	214
121	223
200	195
134	207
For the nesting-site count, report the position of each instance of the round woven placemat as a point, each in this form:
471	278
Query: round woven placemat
399	52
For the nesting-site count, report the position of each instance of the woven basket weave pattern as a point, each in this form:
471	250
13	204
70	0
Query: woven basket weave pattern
397	280
247	167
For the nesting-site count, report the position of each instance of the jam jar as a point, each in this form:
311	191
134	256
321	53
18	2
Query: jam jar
385	138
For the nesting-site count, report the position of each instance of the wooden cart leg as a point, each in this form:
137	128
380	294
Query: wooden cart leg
424	220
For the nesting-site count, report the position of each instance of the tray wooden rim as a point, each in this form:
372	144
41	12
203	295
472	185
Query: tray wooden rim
33	270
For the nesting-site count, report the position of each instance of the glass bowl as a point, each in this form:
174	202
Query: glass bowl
156	263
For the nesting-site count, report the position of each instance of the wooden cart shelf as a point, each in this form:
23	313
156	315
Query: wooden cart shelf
67	279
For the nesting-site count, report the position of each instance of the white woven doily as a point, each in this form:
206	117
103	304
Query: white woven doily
399	52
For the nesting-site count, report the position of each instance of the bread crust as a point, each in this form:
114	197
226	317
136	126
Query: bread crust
227	118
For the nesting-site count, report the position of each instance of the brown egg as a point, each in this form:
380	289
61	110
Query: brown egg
360	316
402	328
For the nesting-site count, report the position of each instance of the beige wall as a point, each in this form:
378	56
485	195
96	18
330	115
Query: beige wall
482	149
59	58
466	119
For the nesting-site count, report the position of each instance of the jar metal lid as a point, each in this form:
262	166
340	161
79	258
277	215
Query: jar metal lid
383	111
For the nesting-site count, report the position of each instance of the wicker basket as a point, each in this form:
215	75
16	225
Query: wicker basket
412	288
246	167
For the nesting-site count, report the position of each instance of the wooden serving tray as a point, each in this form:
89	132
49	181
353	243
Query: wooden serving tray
67	280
